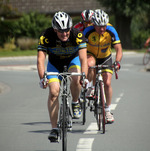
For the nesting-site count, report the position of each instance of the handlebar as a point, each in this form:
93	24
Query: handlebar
100	67
64	74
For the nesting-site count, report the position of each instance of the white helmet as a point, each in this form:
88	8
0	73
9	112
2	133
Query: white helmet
61	21
86	15
100	18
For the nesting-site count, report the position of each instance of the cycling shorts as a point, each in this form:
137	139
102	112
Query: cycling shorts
105	61
74	63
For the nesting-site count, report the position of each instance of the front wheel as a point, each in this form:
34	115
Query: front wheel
64	125
146	58
100	109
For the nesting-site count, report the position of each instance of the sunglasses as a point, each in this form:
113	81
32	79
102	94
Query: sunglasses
64	30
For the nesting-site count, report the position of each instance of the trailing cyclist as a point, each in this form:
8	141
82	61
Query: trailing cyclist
86	17
100	38
64	46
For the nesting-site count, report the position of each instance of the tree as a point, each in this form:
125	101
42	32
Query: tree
125	11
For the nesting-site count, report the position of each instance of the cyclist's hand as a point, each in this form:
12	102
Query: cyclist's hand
84	82
117	65
42	84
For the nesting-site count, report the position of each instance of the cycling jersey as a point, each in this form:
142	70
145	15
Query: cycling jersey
100	45
61	53
79	26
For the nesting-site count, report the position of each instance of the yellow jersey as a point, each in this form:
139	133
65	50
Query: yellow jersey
100	45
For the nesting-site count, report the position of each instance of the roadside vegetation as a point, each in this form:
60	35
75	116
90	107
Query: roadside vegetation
19	33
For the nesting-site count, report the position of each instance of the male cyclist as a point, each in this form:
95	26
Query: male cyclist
147	42
64	46
100	37
86	17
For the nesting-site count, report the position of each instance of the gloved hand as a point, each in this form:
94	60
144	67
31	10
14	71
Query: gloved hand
42	85
117	65
84	82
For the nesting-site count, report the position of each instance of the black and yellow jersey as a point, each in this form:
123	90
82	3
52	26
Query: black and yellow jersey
100	45
57	49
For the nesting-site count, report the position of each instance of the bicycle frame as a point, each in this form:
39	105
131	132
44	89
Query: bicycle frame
65	114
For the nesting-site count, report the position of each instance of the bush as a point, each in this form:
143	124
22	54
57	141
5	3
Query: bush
31	25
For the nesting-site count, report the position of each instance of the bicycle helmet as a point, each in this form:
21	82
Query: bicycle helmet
86	15
100	18
61	21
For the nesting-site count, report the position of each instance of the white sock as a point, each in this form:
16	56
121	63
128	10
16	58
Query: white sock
107	109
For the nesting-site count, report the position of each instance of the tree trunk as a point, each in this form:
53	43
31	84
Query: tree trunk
123	28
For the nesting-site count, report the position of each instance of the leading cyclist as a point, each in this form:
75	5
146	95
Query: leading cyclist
64	46
100	38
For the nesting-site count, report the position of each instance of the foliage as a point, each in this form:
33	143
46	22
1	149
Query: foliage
138	11
31	25
127	7
7	30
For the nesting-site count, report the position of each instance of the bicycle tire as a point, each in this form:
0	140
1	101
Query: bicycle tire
97	106
64	125
146	58
102	106
84	108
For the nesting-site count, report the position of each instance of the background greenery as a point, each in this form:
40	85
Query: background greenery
22	31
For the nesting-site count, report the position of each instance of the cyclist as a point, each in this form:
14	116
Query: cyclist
147	42
86	17
100	37
64	46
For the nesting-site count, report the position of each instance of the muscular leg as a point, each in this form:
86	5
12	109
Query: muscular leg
75	85
107	86
91	73
53	104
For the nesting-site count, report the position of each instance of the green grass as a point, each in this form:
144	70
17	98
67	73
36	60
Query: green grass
9	53
18	53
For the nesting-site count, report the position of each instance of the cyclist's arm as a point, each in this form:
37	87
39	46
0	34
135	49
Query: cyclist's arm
147	42
41	63
83	60
118	49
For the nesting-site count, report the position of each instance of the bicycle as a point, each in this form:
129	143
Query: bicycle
65	114
146	57
97	101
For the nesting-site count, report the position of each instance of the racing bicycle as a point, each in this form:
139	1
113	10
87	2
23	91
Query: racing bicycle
65	114
97	101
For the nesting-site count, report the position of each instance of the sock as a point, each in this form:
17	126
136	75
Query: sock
107	108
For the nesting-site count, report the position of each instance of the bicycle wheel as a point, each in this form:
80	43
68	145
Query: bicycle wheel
84	108
97	106
64	125
146	58
102	107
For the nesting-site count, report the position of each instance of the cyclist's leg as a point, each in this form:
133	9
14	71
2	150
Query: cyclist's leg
75	86
108	88
91	62
53	104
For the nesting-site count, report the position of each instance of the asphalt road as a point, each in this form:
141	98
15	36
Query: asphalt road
24	120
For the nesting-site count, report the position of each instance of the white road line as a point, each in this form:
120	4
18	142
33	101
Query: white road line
117	100
85	144
113	106
92	129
